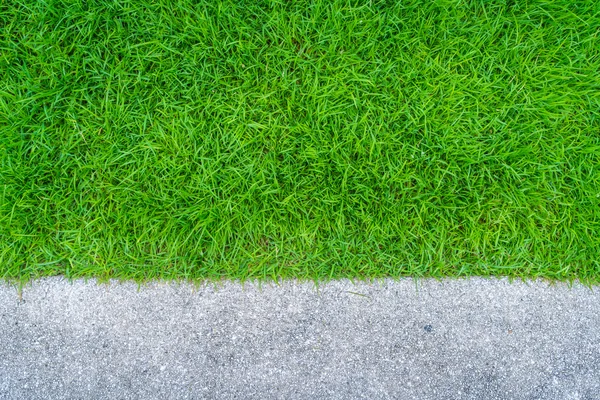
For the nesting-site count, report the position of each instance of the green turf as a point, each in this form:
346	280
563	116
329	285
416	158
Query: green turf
310	139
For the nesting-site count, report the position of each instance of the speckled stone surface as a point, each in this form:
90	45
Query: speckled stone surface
454	339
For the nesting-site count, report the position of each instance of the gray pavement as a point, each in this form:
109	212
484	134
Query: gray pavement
455	339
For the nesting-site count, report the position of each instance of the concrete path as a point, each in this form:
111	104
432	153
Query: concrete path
461	339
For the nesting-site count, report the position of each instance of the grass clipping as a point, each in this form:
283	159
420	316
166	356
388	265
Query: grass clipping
311	139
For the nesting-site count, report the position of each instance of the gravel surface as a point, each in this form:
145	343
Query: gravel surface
455	339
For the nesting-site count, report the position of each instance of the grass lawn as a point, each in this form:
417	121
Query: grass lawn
310	139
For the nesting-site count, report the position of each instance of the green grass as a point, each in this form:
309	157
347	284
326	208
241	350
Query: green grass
312	139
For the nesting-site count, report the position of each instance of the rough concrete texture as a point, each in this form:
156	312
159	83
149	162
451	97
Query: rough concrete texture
460	339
